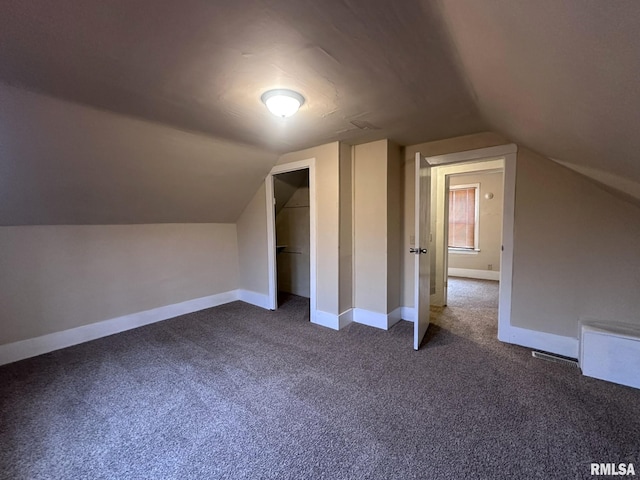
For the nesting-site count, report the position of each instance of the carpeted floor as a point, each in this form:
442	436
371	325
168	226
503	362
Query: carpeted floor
238	392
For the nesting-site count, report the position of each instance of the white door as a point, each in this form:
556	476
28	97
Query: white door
420	250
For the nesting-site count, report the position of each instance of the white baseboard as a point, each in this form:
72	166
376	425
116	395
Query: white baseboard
394	317
31	347
611	351
376	319
547	342
472	273
408	314
345	318
326	319
331	320
372	319
254	298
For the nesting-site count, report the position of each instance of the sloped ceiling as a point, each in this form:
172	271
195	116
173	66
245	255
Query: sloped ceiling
286	184
202	65
560	77
67	164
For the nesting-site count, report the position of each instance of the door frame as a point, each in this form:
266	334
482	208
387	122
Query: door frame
308	164
509	154
440	226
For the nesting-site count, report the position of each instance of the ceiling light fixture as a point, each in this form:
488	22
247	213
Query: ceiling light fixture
282	102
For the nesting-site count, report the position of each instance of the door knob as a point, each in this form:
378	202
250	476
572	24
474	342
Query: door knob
418	250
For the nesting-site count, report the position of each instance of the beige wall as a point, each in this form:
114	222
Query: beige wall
346	228
490	223
574	253
292	233
328	222
59	277
252	230
252	245
377	224
575	250
394	226
370	226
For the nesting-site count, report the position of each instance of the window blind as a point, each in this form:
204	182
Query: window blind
462	217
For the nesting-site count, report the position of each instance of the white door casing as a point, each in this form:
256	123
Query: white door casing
271	233
508	152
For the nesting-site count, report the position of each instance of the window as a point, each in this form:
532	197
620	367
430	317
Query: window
463	217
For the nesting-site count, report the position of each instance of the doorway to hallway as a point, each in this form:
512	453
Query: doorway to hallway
474	227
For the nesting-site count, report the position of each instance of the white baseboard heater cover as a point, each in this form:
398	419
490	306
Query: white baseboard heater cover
611	351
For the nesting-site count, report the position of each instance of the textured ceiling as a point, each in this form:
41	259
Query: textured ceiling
560	77
202	65
62	163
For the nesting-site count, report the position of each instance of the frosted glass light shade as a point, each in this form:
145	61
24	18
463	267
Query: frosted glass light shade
282	103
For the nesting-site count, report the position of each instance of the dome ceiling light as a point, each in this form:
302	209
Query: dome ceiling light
282	102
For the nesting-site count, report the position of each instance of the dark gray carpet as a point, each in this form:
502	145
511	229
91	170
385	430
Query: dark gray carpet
238	392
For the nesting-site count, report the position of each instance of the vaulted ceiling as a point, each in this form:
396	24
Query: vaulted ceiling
560	77
202	65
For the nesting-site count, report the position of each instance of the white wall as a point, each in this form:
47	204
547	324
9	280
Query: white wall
489	224
60	277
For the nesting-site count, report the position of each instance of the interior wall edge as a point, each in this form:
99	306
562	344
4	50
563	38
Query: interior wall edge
326	319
